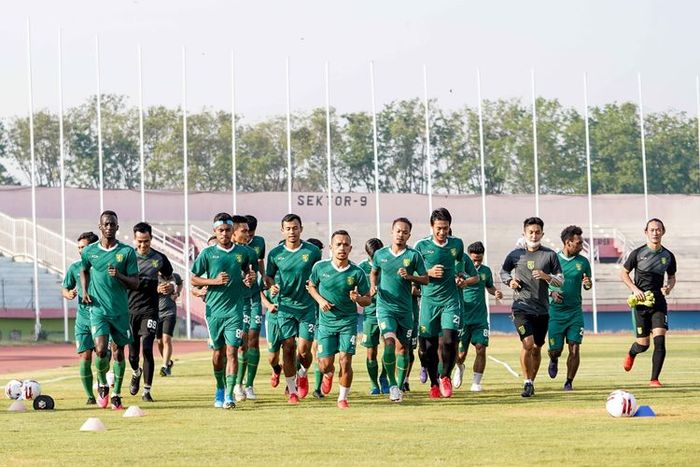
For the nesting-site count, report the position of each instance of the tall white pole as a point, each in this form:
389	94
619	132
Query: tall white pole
375	149
483	179
141	151
591	245
185	168
62	170
534	144
697	102
99	125
328	153
35	253
234	186
427	140
644	150
289	144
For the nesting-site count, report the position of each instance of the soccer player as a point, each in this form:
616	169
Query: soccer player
296	314
228	274
167	318
269	299
83	338
651	262
394	269
529	271
318	375
370	327
338	286
565	311
241	237
109	270
475	326
143	308
441	300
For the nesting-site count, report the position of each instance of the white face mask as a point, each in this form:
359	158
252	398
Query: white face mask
532	244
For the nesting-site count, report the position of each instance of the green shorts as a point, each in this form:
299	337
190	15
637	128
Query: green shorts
570	328
402	326
255	313
435	318
370	332
246	315
83	336
475	334
272	333
332	340
225	331
297	323
117	327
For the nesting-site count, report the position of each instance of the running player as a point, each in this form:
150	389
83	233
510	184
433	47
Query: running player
528	271
475	326
143	308
370	327
296	310
83	338
441	300
109	270
651	262
318	375
394	269
565	311
227	270
338	286
167	318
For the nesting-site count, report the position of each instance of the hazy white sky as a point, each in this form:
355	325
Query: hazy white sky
610	40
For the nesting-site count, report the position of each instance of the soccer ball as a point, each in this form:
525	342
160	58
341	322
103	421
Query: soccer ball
30	389
13	389
621	404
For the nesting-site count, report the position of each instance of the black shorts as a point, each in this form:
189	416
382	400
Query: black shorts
143	325
645	319
531	325
166	325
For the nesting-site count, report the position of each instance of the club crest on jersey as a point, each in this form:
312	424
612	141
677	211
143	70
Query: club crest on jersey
453	251
350	280
119	257
483	276
579	266
406	262
154	263
664	260
257	249
531	264
521	329
239	258
305	257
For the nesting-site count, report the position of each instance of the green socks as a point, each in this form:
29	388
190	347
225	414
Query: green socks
389	359
119	368
241	367
102	367
86	377
230	381
402	367
318	377
373	371
220	378
252	360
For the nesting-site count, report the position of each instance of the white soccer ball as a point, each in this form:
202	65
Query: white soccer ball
621	404
30	389
13	389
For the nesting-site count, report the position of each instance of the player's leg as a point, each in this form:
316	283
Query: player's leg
85	345
413	345
273	347
288	331
556	333
372	352
480	340
307	331
238	391
346	374
540	325
450	323
658	332
135	325
574	338
525	332
120	332
328	346
233	337
148	361
641	320
402	358
167	326
253	354
429	341
215	329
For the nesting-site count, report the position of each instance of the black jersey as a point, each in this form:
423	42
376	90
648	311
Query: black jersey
533	295
649	268
144	300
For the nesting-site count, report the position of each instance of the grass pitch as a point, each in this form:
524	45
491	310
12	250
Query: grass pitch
495	427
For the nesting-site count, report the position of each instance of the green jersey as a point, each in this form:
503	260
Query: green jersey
224	300
334	284
72	281
253	261
294	268
394	292
439	291
475	295
371	309
108	294
257	243
573	268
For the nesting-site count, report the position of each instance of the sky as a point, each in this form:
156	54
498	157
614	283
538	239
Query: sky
611	41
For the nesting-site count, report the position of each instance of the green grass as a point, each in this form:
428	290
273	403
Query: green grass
496	426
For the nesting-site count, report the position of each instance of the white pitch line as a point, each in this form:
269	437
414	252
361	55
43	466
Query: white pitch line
507	367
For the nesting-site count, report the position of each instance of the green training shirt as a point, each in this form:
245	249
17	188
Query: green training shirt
442	290
573	268
475	296
108	294
371	309
334	284
72	281
294	268
394	292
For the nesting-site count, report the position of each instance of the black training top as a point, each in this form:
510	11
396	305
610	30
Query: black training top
533	295
649	268
144	300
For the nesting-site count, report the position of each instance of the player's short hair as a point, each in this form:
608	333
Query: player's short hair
340	232
569	232
224	217
143	227
238	220
654	219
211	239
89	236
109	213
440	214
314	241
404	220
476	248
533	221
252	222
291	218
373	244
